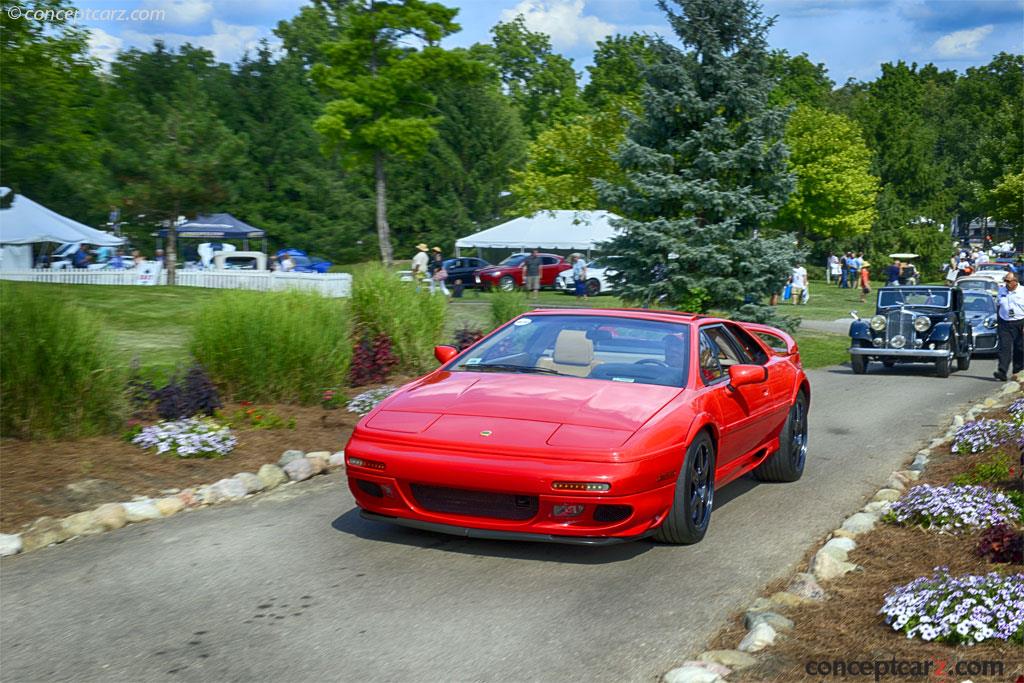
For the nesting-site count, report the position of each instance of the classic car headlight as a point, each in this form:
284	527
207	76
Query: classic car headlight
877	323
990	322
922	323
898	342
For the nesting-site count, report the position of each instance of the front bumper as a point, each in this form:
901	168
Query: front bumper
931	354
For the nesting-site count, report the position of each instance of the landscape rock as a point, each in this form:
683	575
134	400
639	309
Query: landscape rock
171	505
111	516
717	668
691	674
189	497
170	492
783	599
859	523
846	544
83	524
958	421
43	532
299	470
319	464
804	585
877	507
828	566
896	483
761	605
776	621
251	482
843	533
912	475
337	459
734	659
10	544
757	638
141	510
323	455
272	476
1010	388
289	456
229	489
938	442
887	495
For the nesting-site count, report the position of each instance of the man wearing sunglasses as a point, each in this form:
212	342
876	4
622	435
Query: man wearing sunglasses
1011	327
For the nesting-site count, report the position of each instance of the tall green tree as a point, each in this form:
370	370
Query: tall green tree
541	83
706	167
616	74
798	80
835	191
383	108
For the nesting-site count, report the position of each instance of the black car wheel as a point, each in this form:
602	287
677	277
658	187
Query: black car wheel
787	463
507	283
593	287
859	364
942	367
687	521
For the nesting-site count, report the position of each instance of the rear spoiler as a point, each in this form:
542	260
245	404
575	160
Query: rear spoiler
789	342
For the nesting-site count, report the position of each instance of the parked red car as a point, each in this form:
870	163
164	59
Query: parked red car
508	274
585	426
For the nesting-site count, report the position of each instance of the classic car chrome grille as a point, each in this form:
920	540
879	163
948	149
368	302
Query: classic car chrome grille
475	503
899	322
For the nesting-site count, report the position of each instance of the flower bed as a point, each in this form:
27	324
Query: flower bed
964	609
192	437
366	401
981	435
954	509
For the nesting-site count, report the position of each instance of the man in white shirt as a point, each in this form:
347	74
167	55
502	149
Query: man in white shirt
1011	327
419	264
287	263
798	283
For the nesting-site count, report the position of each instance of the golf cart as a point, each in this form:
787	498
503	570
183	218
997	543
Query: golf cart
908	273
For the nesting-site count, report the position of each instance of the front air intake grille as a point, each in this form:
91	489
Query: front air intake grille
899	322
370	488
475	503
612	513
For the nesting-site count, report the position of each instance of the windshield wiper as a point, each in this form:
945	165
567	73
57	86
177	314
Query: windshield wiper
511	368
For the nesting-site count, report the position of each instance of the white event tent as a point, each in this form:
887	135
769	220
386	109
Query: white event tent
26	222
575	230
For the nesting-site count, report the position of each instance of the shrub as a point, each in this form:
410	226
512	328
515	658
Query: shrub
996	470
366	401
952	508
256	418
192	437
964	609
413	321
507	305
466	336
192	395
59	375
1001	543
372	361
273	346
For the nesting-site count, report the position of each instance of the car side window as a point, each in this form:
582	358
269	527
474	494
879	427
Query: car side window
718	352
548	260
749	345
711	369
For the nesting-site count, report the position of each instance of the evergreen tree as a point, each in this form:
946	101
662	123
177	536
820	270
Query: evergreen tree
705	167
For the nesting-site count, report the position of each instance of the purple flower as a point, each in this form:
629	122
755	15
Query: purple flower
188	438
952	508
980	435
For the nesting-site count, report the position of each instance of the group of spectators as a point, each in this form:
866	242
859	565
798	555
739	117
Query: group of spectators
847	270
966	262
110	257
428	264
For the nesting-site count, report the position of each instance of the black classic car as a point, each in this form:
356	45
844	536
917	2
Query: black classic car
980	308
921	324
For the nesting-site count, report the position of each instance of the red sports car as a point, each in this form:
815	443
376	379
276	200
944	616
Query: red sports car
585	426
508	274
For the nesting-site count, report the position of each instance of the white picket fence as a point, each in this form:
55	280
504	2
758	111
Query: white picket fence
328	284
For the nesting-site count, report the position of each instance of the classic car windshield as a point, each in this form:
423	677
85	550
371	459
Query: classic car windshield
935	297
593	347
979	303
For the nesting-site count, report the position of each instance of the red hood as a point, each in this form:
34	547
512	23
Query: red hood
537	398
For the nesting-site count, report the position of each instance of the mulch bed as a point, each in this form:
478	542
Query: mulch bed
847	626
35	475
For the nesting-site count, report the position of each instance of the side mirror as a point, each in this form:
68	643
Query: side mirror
741	375
853	314
443	354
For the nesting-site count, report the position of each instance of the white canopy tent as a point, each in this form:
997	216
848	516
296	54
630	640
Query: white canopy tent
575	230
28	222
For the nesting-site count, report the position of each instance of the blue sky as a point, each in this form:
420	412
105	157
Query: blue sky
851	37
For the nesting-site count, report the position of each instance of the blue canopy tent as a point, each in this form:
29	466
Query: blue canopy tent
217	226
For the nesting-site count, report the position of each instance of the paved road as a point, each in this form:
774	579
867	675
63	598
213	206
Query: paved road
293	586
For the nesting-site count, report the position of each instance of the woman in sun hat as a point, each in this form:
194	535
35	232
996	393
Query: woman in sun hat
419	264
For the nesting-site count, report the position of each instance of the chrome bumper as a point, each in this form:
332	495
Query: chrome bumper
901	353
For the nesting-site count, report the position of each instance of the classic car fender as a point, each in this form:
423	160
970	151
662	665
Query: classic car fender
859	329
941	332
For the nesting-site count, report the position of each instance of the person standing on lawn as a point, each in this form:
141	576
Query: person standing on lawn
865	281
438	274
419	264
531	273
832	268
798	282
579	274
892	273
1010	327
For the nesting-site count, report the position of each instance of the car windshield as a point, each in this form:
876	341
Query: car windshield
993	266
513	260
979	302
977	284
593	347
937	297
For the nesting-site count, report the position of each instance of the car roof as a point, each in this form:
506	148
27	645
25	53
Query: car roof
636	313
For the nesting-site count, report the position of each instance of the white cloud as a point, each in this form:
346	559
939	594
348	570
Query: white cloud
103	46
182	12
562	20
962	43
228	42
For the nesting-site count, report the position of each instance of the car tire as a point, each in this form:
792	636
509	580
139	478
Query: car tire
787	463
507	283
688	520
859	364
593	287
963	363
888	363
942	367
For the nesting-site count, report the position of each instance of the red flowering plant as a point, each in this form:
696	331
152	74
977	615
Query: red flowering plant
331	398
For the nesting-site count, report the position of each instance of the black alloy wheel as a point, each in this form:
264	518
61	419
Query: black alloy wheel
787	463
688	520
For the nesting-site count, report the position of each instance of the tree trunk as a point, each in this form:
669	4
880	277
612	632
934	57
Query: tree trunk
171	253
383	229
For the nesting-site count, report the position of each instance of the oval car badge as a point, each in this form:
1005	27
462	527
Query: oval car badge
486	432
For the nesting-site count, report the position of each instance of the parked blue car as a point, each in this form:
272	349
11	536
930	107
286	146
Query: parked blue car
303	264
